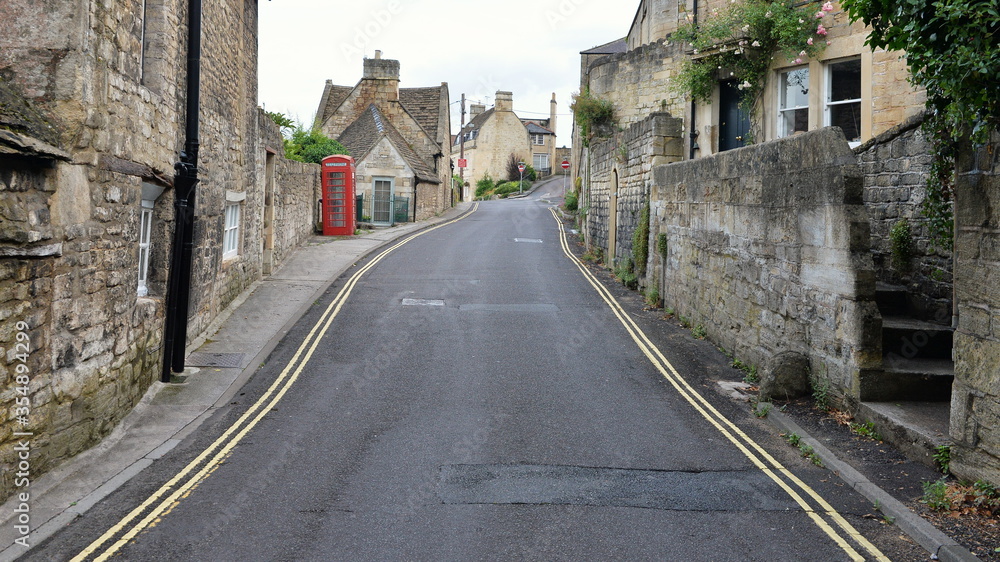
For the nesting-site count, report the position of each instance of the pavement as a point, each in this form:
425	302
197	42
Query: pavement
239	342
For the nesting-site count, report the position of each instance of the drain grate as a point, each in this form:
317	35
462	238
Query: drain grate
201	359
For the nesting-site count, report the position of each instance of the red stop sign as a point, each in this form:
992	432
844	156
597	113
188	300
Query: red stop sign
565	164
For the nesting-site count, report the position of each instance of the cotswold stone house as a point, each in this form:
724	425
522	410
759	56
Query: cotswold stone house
542	134
490	137
399	138
92	97
781	249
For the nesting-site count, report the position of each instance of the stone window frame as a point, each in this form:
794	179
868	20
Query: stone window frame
783	74
232	219
147	216
145	233
828	68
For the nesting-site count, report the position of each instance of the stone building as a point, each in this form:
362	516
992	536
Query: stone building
804	269
542	133
399	138
92	98
491	137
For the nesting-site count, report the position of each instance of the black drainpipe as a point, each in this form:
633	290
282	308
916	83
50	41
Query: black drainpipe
185	180
415	180
694	106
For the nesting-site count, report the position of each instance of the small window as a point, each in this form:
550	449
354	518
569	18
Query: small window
537	139
145	234
843	98
231	235
793	102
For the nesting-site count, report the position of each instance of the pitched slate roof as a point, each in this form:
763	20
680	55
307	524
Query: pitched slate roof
424	104
361	136
537	129
333	96
475	124
614	47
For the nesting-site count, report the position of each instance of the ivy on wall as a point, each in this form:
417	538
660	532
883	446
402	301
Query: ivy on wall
740	43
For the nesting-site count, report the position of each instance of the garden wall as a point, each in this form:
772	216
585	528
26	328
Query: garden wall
768	250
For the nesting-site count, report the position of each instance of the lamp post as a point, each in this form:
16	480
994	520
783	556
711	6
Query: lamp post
520	182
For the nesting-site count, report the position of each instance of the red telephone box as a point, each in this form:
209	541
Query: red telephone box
338	195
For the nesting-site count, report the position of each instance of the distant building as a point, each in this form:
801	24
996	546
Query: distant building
399	138
491	137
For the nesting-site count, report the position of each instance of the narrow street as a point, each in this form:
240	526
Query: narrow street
471	394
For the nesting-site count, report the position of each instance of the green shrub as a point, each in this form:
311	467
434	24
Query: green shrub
507	188
570	202
484	186
901	241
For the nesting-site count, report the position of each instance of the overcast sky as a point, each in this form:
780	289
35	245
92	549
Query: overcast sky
529	47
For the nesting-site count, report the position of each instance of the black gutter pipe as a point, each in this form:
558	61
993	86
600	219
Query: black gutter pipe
185	181
693	133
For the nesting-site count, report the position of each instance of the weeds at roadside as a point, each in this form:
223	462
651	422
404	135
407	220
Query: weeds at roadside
699	332
866	429
750	375
942	457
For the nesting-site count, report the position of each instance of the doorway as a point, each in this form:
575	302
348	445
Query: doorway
734	123
268	262
382	208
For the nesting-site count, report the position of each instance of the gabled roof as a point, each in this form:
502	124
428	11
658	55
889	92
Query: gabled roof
361	136
333	97
477	122
612	48
424	104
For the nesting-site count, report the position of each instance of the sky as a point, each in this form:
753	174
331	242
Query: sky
528	47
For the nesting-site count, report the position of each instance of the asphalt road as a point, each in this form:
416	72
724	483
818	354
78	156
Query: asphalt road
473	397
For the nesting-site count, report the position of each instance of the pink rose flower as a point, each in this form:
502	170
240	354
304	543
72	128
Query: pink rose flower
821	30
828	7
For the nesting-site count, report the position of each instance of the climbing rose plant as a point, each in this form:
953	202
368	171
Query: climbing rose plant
741	42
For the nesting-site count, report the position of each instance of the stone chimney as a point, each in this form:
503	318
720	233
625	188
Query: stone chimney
383	75
504	102
552	114
475	110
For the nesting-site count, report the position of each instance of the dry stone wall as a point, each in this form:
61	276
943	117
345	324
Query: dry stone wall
768	251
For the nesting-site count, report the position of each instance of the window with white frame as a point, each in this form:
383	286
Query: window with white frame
540	161
537	139
843	98
145	234
231	234
793	102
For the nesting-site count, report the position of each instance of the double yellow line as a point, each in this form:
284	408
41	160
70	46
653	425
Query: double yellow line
791	484
178	487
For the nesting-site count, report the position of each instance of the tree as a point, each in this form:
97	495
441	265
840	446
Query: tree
311	145
953	50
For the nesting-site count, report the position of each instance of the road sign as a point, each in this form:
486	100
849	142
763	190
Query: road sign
565	164
520	167
463	163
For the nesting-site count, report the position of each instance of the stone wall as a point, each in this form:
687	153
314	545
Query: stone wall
623	165
768	251
896	166
975	405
